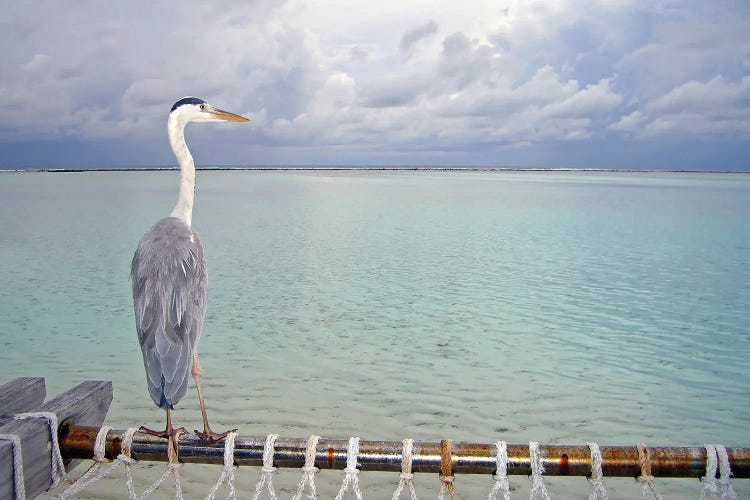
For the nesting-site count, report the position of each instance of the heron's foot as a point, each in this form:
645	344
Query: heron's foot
210	437
173	436
165	434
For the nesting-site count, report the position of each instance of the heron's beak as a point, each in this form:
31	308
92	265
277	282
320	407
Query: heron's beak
220	114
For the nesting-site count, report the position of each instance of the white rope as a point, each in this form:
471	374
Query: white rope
95	472
351	470
597	477
537	470
717	458
725	472
125	458
18	481
227	472
710	488
502	485
57	472
267	471
172	468
644	457
406	475
309	470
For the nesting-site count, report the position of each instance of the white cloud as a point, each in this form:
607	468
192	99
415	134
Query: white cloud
715	108
409	77
714	97
628	123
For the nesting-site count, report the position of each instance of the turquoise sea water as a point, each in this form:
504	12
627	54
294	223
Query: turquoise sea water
561	307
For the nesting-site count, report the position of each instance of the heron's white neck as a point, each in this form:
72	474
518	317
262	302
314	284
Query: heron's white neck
184	207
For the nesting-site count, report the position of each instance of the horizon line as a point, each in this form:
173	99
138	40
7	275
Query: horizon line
467	168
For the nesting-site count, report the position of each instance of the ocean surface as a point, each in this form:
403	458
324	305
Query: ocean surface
559	307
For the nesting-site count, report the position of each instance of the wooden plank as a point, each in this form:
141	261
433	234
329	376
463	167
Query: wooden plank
21	395
85	404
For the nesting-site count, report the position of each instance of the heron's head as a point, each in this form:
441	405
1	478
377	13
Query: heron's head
192	109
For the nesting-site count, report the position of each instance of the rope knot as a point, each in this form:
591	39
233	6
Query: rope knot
350	478
127	460
725	472
446	470
309	470
57	466
537	472
502	484
597	477
267	471
406	475
646	479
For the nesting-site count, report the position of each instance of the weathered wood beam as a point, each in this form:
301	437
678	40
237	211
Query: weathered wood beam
86	404
21	395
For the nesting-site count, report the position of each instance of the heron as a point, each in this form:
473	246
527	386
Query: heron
169	276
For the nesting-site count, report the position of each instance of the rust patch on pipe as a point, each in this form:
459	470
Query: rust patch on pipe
564	465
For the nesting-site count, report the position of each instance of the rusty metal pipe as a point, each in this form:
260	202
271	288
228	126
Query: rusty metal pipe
558	460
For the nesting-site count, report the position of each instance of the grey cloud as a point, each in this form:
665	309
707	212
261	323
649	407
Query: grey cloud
393	91
76	72
413	36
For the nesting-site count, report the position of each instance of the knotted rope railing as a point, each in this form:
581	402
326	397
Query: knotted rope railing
537	470
227	472
351	478
446	470
645	478
405	479
407	457
725	472
268	470
309	470
502	484
597	477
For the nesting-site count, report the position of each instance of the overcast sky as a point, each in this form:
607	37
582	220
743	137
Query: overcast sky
618	83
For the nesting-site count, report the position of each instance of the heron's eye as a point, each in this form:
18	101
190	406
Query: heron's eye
203	107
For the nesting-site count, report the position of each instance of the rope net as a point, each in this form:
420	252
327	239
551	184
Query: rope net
715	484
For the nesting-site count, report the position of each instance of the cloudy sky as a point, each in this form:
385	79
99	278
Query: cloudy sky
565	83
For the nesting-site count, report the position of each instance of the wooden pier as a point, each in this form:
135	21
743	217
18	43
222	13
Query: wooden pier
81	412
84	404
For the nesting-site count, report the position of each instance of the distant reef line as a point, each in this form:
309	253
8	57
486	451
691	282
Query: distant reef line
370	168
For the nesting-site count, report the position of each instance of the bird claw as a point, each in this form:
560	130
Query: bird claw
173	438
210	437
165	434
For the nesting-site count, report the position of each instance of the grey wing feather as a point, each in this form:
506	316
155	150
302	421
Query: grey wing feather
169	278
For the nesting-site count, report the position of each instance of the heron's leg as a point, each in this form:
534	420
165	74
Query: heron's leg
170	433
207	435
